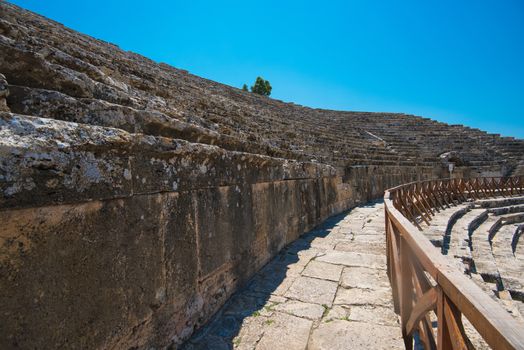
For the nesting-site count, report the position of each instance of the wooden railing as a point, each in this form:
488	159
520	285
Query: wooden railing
418	201
426	285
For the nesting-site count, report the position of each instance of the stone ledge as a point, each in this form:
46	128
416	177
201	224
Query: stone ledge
47	161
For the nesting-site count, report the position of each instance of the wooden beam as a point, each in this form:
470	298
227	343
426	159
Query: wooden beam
406	299
427	302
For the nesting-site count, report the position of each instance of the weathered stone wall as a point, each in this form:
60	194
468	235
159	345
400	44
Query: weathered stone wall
110	239
362	183
367	182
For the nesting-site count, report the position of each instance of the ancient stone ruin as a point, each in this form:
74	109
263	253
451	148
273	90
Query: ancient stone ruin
137	199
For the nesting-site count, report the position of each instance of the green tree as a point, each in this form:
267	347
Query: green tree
261	87
244	88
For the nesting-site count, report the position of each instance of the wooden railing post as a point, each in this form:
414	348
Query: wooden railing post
451	334
443	334
394	269
406	302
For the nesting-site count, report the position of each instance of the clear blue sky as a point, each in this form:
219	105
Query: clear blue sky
454	61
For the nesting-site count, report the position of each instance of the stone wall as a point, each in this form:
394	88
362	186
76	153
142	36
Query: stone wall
111	239
368	182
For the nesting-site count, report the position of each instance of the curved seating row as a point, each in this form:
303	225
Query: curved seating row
482	237
63	75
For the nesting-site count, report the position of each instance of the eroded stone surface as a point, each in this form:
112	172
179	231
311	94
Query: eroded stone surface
358	296
341	334
285	331
365	278
373	313
480	239
151	235
354	259
312	290
323	270
301	309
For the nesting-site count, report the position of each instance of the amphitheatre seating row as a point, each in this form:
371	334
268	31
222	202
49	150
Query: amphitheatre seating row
93	82
483	237
518	249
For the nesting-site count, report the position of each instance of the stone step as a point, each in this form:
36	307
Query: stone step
459	243
481	253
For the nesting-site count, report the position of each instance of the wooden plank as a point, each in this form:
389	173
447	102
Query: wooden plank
426	220
471	190
421	247
443	196
426	303
426	334
413	218
395	269
425	202
460	189
422	281
406	299
458	337
443	336
437	198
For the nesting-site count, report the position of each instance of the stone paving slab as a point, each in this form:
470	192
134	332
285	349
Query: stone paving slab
301	309
326	290
363	277
373	314
313	290
354	259
289	331
358	296
321	270
343	334
376	247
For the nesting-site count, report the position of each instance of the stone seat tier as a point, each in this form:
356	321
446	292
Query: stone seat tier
482	256
82	67
516	244
499	202
480	238
459	241
510	266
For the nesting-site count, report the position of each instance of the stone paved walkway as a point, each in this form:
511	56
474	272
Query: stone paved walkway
327	290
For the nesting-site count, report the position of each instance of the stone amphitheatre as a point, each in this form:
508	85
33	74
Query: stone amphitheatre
144	207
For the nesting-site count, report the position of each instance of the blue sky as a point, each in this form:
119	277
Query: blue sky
461	62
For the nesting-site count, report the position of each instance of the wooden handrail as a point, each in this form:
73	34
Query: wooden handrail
424	281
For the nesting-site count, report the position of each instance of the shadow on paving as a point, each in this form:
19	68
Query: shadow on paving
254	299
